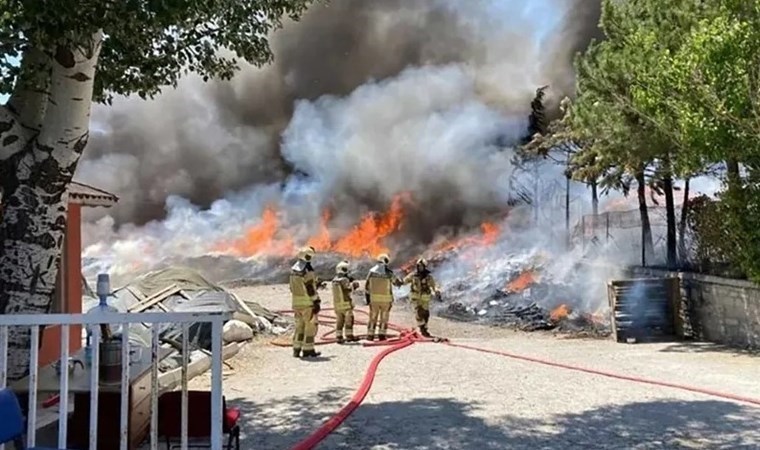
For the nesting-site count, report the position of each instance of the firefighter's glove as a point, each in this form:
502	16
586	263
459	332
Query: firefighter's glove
316	307
366	297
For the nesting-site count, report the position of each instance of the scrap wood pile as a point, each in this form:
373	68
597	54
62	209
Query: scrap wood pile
520	293
180	289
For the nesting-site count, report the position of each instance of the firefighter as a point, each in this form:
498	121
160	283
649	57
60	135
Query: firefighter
306	304
342	287
378	289
423	288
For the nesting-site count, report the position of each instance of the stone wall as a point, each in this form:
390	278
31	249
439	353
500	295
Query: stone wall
716	309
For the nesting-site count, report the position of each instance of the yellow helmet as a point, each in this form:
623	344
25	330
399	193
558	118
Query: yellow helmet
342	267
384	258
422	262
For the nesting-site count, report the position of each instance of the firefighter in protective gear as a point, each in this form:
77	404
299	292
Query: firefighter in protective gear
378	289
306	304
423	288
342	287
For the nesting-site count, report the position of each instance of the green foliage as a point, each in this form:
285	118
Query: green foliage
706	89
712	243
148	43
723	241
674	89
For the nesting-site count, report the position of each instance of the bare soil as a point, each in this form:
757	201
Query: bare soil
431	396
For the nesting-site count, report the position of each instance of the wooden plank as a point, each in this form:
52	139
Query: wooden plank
142	298
242	304
155	298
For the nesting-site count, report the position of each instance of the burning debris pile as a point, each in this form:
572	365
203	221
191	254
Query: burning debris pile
524	311
525	290
495	274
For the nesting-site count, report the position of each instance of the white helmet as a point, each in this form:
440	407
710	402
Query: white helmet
306	253
422	262
383	258
342	267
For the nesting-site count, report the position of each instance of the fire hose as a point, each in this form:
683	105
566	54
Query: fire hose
407	337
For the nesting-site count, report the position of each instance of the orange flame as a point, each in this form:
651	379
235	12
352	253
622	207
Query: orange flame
559	313
261	238
489	233
267	238
522	282
321	242
367	237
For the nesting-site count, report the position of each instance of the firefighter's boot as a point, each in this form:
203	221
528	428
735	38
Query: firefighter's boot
311	353
340	340
381	337
424	331
296	353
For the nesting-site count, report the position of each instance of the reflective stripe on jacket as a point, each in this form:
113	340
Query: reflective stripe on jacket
303	285
379	284
422	286
341	291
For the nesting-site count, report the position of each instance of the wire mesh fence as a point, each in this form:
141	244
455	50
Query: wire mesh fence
620	233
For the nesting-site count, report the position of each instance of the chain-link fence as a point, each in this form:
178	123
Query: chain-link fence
619	233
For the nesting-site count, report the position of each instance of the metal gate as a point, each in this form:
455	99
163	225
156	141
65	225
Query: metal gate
644	308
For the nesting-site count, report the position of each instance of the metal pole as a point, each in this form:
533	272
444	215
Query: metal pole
567	210
643	247
583	232
535	194
607	232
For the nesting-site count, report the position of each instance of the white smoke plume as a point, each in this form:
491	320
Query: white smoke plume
366	100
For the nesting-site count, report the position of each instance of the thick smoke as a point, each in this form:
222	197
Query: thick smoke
366	100
483	58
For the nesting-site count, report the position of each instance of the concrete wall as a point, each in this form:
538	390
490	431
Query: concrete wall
716	309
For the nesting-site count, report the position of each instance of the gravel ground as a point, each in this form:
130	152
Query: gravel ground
431	396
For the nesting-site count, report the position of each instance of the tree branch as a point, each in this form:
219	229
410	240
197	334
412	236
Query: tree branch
30	95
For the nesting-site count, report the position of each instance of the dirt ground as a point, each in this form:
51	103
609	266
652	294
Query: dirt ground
432	396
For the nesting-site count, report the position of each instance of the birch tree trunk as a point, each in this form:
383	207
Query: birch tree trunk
43	131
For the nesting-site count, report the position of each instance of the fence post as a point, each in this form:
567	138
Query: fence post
607	232
583	233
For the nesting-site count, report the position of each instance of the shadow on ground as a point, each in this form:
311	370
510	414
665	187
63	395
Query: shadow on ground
709	347
452	424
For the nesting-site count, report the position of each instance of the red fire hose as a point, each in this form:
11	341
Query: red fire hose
409	337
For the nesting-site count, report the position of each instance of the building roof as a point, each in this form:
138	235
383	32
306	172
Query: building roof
87	195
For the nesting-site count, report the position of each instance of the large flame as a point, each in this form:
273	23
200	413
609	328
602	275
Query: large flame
489	233
321	242
269	238
262	238
367	237
468	244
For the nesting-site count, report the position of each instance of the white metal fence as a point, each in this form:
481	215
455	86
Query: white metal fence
67	320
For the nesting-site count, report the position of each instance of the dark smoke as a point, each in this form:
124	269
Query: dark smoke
580	25
202	141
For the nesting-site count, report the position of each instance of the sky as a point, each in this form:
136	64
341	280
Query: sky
4	97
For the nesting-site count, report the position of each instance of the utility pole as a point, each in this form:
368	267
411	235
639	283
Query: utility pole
567	208
536	193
